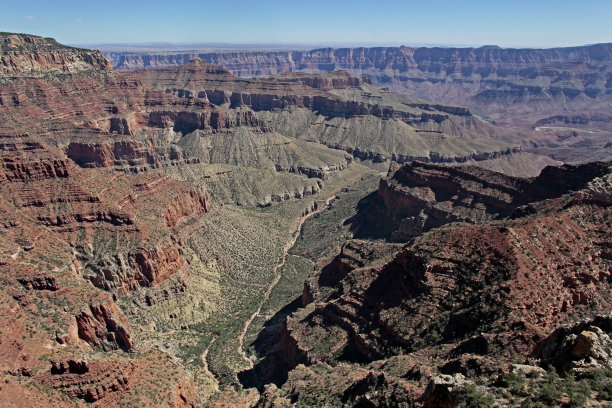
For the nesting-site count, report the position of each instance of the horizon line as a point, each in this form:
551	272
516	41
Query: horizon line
137	46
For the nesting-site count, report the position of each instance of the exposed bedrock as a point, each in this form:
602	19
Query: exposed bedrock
74	229
103	325
105	382
152	264
579	346
142	267
336	107
24	54
302	192
134	155
466	61
40	283
466	76
189	204
433	157
20	169
420	196
515	90
375	299
186	122
89	381
321	173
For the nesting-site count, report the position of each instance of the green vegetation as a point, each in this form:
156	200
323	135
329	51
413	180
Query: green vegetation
232	261
324	233
548	390
470	397
283	300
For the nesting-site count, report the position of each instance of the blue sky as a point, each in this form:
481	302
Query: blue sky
518	23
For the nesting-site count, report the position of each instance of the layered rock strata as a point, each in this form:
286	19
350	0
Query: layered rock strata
349	113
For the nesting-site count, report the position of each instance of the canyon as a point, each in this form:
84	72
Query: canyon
555	101
184	234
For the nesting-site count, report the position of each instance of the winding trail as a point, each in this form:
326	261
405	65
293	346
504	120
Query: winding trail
205	362
277	276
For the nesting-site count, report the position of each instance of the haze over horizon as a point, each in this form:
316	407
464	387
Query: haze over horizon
507	24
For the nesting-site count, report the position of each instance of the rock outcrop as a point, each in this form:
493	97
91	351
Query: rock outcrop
579	346
113	382
17	169
121	269
337	386
130	155
103	325
348	111
190	204
483	61
90	382
440	391
87	216
32	55
418	197
142	267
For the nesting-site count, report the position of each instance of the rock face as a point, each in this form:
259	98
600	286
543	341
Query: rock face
87	219
191	203
72	366
419	196
103	326
117	253
79	379
133	156
342	385
461	295
108	382
349	114
16	169
439	392
525	89
465	61
40	283
102	192
28	54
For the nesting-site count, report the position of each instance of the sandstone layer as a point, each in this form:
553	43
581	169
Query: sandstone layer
87	224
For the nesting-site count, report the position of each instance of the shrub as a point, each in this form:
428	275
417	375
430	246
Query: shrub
469	396
550	393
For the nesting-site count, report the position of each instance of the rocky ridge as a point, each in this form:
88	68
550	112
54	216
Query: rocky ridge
37	56
87	221
416	198
462	296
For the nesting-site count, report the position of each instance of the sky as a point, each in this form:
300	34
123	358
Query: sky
518	23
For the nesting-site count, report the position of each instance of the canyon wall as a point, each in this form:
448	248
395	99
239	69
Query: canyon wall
555	102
